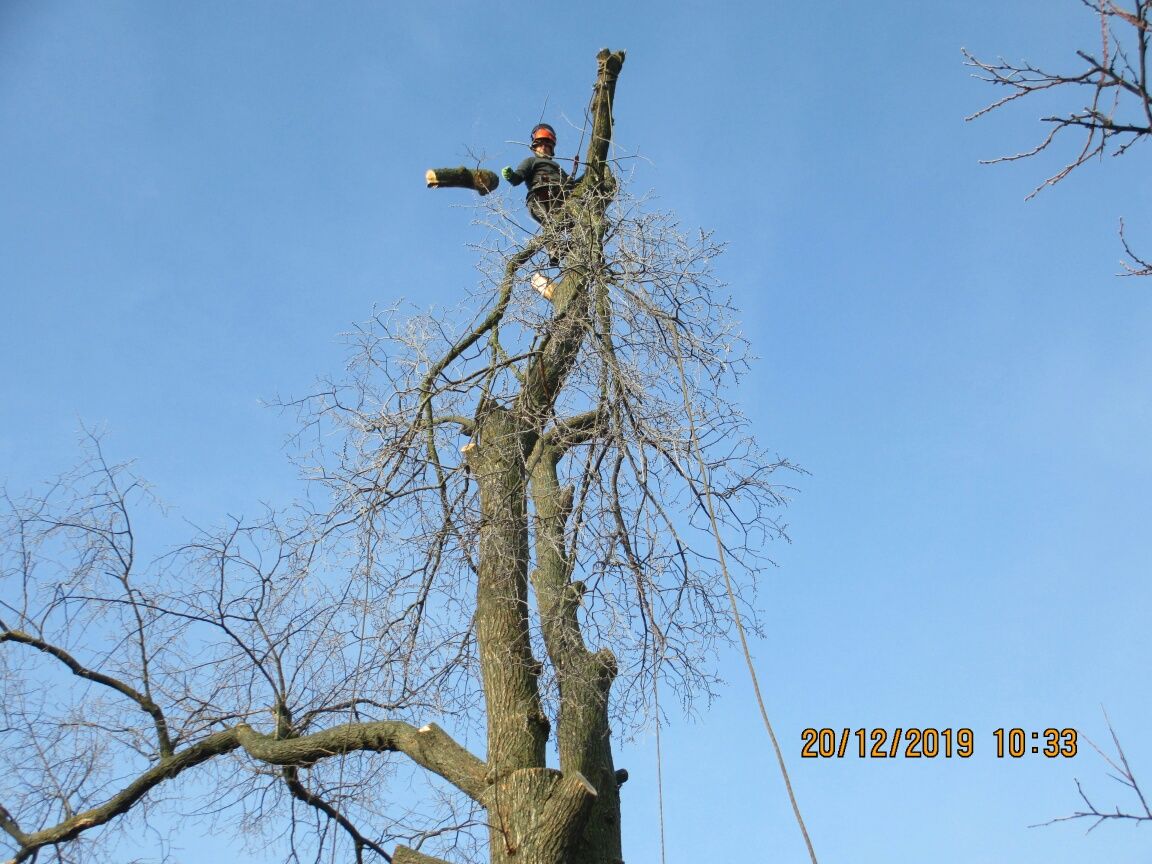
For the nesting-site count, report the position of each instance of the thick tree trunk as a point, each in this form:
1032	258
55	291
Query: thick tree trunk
536	814
517	727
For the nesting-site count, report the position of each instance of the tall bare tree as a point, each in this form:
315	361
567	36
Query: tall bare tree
1115	112
519	548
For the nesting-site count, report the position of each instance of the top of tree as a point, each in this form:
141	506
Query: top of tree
517	548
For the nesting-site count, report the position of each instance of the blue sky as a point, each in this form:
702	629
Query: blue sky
198	198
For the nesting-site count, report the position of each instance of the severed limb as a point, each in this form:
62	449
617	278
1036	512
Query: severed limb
479	179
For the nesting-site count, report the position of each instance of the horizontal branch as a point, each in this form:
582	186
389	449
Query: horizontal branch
568	431
1102	124
429	747
480	179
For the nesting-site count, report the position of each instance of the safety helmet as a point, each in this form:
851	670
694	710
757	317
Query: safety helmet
542	133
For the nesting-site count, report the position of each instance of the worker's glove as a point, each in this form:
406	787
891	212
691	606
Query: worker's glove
506	173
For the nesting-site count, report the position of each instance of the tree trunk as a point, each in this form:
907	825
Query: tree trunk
536	814
585	677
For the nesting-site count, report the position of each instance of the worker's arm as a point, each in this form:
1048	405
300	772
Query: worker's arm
521	173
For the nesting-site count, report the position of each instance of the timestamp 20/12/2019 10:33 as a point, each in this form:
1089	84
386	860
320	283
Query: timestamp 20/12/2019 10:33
931	742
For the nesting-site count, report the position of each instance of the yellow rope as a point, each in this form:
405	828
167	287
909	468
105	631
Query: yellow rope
695	444
659	761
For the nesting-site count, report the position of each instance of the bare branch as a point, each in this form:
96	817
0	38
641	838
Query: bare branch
123	801
429	746
1123	775
359	841
1118	113
146	704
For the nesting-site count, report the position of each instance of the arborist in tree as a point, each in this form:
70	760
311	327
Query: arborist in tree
548	183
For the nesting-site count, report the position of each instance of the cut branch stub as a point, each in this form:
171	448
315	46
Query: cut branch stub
480	179
541	813
609	64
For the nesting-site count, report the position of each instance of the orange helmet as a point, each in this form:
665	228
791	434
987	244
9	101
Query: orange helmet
542	133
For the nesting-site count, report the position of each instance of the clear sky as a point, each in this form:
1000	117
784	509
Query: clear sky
196	199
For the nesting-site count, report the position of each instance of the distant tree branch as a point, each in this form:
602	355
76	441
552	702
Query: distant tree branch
1123	775
1118	113
359	842
1138	266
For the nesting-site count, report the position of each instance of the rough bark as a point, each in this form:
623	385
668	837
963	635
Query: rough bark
429	746
404	855
538	815
517	727
583	733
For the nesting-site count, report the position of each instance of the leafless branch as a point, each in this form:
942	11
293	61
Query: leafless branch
1122	773
1117	113
514	518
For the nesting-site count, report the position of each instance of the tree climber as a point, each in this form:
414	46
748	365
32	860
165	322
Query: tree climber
548	184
